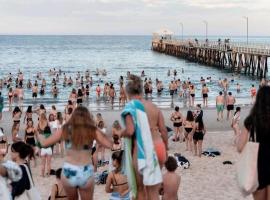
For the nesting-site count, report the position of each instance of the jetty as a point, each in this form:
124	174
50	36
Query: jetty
249	59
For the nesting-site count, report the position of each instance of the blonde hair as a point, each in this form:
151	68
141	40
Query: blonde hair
80	128
134	85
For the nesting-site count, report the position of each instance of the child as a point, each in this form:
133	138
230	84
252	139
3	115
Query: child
116	182
117	146
171	180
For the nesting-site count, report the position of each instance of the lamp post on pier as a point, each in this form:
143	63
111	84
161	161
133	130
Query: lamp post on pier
246	18
182	30
206	29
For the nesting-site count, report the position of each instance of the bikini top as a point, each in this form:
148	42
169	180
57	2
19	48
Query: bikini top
3	141
32	133
57	196
117	184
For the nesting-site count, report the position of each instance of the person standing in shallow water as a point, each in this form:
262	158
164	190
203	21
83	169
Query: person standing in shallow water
1	105
257	127
220	106
134	90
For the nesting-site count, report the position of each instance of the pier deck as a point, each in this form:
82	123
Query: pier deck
250	59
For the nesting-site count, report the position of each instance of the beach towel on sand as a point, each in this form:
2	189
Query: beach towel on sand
148	164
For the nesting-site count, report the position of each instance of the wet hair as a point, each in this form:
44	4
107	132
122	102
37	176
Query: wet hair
238	109
29	109
58	173
176	108
134	85
16	110
229	93
190	116
220	93
80	129
118	156
42	107
171	164
260	115
24	150
201	124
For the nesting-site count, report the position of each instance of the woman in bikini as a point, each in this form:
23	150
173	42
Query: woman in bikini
16	115
78	133
45	152
10	98
177	119
116	135
73	96
236	123
58	192
3	144
134	90
198	136
192	94
116	182
28	114
122	95
189	126
29	136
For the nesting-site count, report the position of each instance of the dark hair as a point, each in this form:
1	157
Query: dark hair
171	164
80	94
69	111
29	109
118	156
58	173
16	110
70	102
176	108
220	93
259	117
229	93
190	116
201	124
42	107
24	150
134	85
238	109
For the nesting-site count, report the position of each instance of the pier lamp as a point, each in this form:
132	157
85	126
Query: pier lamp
246	18
182	30
206	28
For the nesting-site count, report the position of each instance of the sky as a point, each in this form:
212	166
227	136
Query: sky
134	17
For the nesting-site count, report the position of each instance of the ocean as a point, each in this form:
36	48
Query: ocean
116	54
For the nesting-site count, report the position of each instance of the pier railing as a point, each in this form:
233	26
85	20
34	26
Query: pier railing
250	59
259	49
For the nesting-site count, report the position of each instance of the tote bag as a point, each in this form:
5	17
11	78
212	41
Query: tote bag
31	194
247	171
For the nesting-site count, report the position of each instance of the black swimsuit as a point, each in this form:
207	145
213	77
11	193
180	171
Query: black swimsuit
30	138
188	130
177	124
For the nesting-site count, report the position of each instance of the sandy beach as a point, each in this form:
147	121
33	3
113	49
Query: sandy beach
207	178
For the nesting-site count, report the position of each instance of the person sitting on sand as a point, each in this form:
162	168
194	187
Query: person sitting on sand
198	136
116	182
58	192
79	134
171	180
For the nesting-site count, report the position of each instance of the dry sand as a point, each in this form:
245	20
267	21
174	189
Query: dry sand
207	178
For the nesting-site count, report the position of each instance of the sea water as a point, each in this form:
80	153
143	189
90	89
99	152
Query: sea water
115	54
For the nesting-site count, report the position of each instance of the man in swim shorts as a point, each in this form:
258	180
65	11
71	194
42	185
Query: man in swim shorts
230	104
220	106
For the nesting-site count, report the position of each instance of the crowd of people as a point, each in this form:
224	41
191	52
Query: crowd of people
138	150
